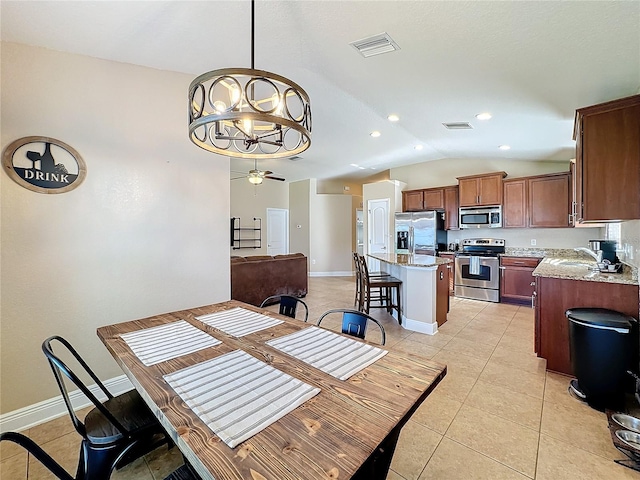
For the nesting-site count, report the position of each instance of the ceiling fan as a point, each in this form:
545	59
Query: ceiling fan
256	176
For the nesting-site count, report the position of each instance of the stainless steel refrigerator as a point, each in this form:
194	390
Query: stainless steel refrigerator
420	232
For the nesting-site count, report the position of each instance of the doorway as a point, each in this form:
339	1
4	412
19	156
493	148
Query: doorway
378	223
277	231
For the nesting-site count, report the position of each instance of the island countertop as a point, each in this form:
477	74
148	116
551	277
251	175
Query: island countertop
404	260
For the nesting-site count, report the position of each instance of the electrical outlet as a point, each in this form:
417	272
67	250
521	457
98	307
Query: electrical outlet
533	242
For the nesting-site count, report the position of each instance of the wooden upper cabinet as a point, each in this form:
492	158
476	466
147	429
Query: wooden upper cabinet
515	208
451	205
477	190
433	199
550	201
543	201
608	160
412	201
425	199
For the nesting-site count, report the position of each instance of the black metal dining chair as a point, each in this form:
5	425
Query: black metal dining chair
43	457
115	432
354	322
185	472
288	305
182	473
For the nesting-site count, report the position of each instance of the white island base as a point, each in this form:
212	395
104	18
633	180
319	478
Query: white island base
418	289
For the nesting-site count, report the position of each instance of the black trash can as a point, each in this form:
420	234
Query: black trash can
603	346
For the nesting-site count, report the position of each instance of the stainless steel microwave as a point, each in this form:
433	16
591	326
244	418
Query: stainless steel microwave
481	217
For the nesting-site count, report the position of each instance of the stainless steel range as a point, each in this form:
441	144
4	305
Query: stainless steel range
477	272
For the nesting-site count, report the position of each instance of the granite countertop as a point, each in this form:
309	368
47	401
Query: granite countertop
410	260
580	268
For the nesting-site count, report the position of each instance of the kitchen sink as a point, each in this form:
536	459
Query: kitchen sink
573	263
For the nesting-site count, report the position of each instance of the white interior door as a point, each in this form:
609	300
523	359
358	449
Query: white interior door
378	223
277	231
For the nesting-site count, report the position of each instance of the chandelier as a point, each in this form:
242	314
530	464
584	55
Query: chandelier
249	113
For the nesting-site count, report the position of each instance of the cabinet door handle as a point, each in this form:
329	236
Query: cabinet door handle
533	284
533	299
502	268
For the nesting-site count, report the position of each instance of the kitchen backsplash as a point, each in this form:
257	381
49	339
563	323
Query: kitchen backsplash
630	235
545	238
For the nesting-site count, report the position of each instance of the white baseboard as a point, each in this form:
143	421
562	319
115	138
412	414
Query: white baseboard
332	274
48	410
422	327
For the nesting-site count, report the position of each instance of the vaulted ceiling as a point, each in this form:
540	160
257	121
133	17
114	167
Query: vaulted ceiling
529	63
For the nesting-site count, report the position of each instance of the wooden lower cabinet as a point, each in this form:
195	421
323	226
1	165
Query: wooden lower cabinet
517	283
442	294
554	296
452	269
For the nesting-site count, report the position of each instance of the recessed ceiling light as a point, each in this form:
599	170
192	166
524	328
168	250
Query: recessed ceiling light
372	168
483	116
375	134
504	147
418	147
393	117
361	168
354	164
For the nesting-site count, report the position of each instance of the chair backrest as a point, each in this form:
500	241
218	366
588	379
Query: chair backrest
42	456
62	371
364	275
355	323
288	305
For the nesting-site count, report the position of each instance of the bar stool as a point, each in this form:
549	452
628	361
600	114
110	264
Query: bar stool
380	290
357	261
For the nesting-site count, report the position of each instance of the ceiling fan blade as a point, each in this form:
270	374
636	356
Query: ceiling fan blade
238	178
266	172
239	173
276	178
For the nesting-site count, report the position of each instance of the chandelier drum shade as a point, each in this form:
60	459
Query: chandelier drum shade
249	113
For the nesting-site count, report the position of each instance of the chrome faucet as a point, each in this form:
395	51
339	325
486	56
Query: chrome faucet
597	256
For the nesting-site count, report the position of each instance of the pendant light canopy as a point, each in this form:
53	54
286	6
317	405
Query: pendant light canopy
248	113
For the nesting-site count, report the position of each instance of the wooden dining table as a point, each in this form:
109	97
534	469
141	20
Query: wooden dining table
348	430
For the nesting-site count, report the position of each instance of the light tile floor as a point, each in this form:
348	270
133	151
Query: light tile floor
496	415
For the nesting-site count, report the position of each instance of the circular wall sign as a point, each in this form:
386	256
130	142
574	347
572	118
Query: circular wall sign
44	165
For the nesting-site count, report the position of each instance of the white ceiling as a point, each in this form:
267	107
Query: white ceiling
529	63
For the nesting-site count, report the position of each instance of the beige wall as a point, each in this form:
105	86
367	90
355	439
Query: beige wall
146	233
330	234
440	173
249	201
299	216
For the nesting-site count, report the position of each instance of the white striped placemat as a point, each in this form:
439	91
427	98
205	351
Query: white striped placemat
239	321
158	344
330	352
237	395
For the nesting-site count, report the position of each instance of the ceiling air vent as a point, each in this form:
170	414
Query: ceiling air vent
375	45
458	126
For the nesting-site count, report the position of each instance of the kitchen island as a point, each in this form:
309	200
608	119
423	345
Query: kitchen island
420	275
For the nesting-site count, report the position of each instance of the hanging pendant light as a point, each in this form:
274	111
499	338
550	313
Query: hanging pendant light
248	113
